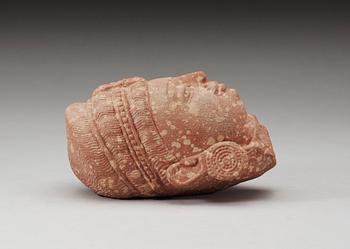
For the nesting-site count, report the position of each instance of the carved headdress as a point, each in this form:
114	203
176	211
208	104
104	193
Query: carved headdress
168	136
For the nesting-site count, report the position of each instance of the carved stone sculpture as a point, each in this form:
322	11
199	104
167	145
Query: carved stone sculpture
168	136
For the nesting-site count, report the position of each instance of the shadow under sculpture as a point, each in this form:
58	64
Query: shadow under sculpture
163	137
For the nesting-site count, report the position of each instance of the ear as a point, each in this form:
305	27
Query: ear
223	161
186	171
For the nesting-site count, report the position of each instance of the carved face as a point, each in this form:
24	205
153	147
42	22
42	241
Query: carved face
192	113
205	125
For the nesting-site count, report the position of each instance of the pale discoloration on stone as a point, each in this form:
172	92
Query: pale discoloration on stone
176	145
211	141
187	142
220	138
163	133
167	136
195	150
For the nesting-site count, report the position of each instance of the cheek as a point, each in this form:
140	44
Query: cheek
202	103
212	109
218	118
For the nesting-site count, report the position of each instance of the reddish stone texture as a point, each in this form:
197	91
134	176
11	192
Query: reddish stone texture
168	136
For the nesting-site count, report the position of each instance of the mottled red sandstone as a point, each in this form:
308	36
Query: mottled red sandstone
166	136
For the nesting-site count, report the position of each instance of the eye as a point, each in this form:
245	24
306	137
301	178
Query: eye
183	93
188	93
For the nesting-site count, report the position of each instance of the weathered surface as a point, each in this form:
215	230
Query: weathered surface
167	136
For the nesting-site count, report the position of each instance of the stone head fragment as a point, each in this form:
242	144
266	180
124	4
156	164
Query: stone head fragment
166	136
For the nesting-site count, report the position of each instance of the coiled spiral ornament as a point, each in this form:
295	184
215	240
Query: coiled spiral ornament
226	161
